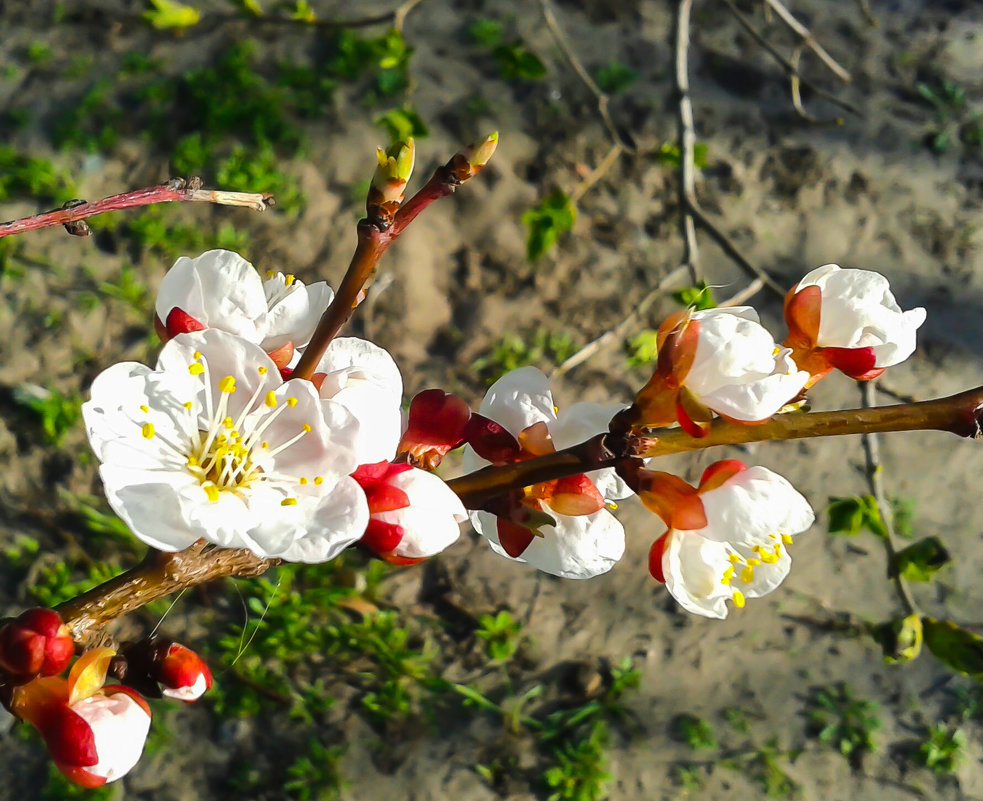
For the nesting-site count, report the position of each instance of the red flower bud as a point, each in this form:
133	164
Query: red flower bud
34	643
183	674
436	425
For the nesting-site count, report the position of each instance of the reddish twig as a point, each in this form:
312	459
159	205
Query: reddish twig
177	189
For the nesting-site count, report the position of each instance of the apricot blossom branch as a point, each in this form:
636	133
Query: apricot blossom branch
161	574
74	212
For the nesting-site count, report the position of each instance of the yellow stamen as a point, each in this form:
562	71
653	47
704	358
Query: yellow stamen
747	575
307	428
197	354
265	445
288	502
612	505
769	558
288	279
196	368
211	491
188	404
192	462
728	576
227	384
270	273
263	371
738	599
318	480
734	558
147	430
144	409
303	480
291	402
227	422
271	399
786	539
753	562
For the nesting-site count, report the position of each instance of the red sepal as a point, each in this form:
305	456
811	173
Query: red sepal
694	418
855	362
720	473
69	738
436	422
281	356
490	440
180	322
803	310
672	499
655	557
575	495
513	538
286	373
81	776
382	537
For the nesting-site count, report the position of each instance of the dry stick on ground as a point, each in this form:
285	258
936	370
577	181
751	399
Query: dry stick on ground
875	478
791	68
601	96
689	205
177	189
161	574
597	173
809	40
687	143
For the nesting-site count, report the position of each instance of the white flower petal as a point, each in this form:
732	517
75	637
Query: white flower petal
694	568
754	507
338	521
220	289
349	358
119	729
432	520
519	399
294	310
578	547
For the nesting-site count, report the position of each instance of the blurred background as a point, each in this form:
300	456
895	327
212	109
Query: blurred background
470	676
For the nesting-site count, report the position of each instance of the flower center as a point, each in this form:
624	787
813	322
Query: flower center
230	455
743	569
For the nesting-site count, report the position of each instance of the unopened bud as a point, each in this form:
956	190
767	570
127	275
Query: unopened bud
183	674
35	643
479	153
394	170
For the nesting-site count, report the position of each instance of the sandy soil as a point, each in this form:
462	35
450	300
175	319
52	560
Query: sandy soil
865	193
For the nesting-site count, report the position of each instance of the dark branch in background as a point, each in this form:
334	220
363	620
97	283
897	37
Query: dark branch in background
875	478
74	212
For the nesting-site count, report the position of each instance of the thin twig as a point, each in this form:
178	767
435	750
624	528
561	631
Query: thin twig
791	69
875	478
687	143
741	297
176	189
599	94
613	335
809	40
597	173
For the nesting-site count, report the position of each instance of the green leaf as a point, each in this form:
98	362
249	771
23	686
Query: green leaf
485	32
171	14
670	155
402	124
697	297
959	649
615	77
922	560
643	349
900	639
517	63
554	215
850	515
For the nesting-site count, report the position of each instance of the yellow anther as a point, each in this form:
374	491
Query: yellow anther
271	399
307	428
728	576
747	575
734	558
756	548
211	491
192	462
262	370
144	409
188	404
786	539
196	369
288	502
291	402
265	445
773	536
778	549
197	354
227	422
303	480
753	562
270	273
768	558
319	480
288	279
612	505
147	430
227	384
738	599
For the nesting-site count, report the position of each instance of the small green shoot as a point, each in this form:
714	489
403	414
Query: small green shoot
697	297
316	775
169	14
402	124
554	215
485	32
516	62
843	721
513	351
501	633
696	732
614	77
56	412
669	154
851	515
921	560
942	750
579	772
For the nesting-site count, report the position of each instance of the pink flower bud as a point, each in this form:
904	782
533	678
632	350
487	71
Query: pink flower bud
98	739
183	674
34	643
436	425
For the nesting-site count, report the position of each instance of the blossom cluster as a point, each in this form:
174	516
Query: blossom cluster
221	442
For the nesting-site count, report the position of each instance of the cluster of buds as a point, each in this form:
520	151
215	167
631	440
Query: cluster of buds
94	732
